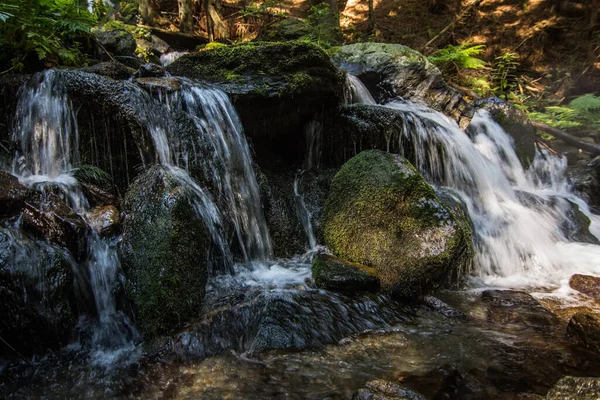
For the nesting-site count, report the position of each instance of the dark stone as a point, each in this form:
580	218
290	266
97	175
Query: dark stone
159	46
393	70
575	388
9	89
130	61
332	273
277	88
584	328
111	69
380	212
515	123
585	179
586	284
165	249
384	390
97	186
150	70
118	42
164	85
287	29
12	195
36	293
514	307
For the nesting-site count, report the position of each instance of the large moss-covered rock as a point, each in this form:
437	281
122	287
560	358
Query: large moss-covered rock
276	87
515	123
393	70
164	250
381	213
36	293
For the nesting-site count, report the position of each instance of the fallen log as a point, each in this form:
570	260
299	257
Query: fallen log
591	148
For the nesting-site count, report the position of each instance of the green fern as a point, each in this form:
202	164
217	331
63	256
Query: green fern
583	112
454	58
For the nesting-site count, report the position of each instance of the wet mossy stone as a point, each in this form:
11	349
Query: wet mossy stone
277	88
394	70
111	69
36	293
165	250
332	273
381	213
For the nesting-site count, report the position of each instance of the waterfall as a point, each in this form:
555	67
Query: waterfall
303	213
357	92
517	243
229	166
46	131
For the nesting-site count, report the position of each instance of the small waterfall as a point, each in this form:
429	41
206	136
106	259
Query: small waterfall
517	244
169	58
229	166
313	134
303	213
357	92
46	130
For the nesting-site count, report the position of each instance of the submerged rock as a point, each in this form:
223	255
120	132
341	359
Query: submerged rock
514	307
584	328
332	273
575	388
165	249
381	213
276	88
36	293
380	389
12	195
515	123
586	284
393	70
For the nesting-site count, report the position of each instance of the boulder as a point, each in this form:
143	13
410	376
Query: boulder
380	212
332	273
575	388
150	70
380	389
117	42
584	328
393	70
36	292
585	179
514	307
111	69
586	284
12	195
276	87
96	185
165	249
516	123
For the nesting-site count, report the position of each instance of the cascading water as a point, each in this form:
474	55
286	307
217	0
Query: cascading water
46	131
357	92
229	167
516	244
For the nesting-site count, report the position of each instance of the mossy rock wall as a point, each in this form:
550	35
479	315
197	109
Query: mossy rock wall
165	252
276	88
380	212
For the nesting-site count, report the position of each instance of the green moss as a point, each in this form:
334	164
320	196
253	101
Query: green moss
214	45
382	213
92	175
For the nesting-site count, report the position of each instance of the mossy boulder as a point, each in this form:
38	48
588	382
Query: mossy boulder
36	291
394	70
516	123
380	212
332	273
164	250
277	88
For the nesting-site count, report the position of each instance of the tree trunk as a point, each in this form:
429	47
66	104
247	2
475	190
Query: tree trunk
147	11
209	22
186	18
220	30
371	16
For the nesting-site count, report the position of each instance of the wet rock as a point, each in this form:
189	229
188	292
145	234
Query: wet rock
36	293
586	284
150	70
130	61
514	307
584	328
118	42
111	69
97	185
332	273
12	194
438	305
47	216
105	220
393	70
165	249
585	179
380	389
276	88
515	123
159	46
575	388
381	213
164	85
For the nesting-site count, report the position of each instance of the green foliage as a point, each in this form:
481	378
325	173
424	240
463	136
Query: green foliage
583	112
323	28
214	45
53	30
455	58
503	73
